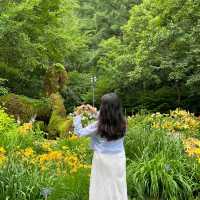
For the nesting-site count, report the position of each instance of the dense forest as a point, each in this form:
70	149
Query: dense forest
147	51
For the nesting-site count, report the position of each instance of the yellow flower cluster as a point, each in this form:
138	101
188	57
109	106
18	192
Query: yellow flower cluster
50	156
52	159
179	113
2	150
2	156
28	152
25	128
72	137
177	120
187	119
192	147
46	146
61	158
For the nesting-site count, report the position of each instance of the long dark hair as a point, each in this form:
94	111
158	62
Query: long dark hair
111	121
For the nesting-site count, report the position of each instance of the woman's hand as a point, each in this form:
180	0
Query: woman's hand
76	114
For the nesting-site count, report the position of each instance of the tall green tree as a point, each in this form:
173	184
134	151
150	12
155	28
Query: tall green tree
101	20
34	34
157	59
164	39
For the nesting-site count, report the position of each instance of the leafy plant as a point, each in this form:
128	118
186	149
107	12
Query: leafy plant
20	181
159	178
8	131
70	187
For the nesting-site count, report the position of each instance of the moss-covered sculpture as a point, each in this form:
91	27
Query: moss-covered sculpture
55	78
25	108
59	123
50	109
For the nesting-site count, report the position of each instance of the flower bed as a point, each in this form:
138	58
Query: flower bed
163	159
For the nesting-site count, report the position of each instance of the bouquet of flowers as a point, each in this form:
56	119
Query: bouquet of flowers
88	113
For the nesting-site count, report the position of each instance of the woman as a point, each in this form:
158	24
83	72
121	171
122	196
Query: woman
108	176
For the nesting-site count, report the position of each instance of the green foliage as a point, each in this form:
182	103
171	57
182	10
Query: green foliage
159	178
34	35
8	131
39	125
19	181
3	89
103	19
150	141
158	51
109	76
163	37
71	187
148	49
73	94
157	167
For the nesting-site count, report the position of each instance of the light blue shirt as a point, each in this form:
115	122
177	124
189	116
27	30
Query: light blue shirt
98	143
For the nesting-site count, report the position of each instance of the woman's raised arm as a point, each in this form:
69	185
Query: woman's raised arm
87	131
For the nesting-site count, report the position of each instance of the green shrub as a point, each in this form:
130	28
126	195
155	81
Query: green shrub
58	126
3	91
8	131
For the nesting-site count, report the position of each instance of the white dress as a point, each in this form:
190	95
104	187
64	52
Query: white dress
108	177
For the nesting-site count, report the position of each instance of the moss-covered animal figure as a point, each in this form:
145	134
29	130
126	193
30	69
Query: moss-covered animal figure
55	79
60	123
49	109
24	108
